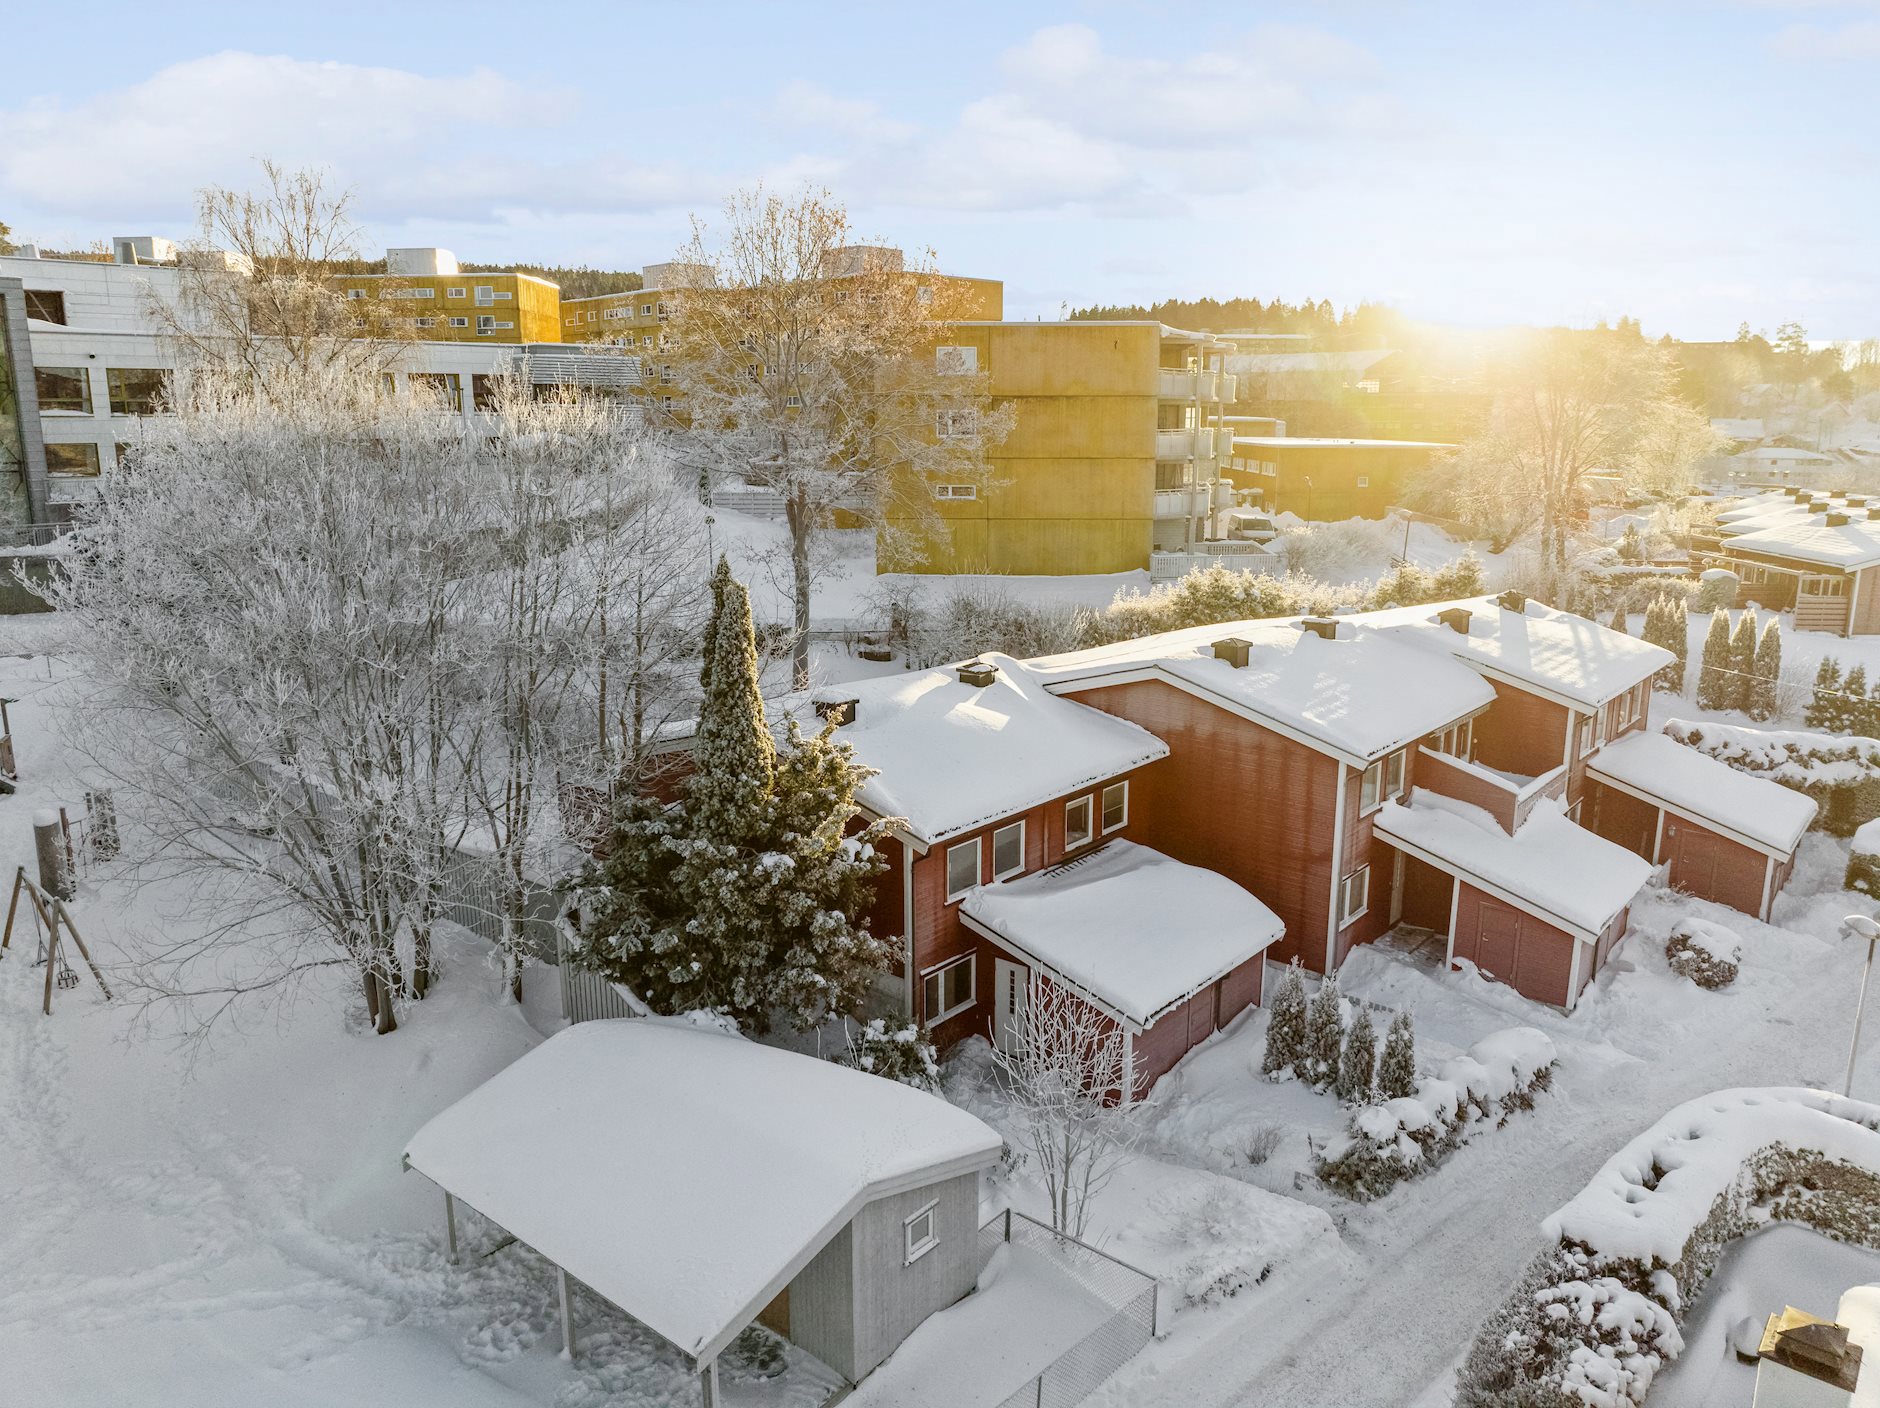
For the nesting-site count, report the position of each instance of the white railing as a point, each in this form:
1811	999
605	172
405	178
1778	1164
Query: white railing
1175	444
1236	556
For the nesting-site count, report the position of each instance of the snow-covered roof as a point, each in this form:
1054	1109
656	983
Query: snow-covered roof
1130	928
1575	661
1321	442
1358	697
1551	867
1808	538
1651	1196
1764	814
683	1174
954	756
1784	453
1351	361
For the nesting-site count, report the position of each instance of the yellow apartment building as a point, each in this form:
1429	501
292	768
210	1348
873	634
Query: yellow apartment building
1116	452
448	305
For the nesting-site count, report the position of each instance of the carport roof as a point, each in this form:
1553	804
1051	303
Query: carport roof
1754	810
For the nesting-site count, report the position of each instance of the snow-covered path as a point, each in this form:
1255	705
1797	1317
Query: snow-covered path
1431	1261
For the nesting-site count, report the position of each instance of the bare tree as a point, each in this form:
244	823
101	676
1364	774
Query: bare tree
818	368
1073	1085
255	292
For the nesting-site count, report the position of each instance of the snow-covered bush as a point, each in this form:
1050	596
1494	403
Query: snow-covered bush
1706	953
1841	773
1397	1070
901	1053
1717	589
1285	1052
1595	1318
1325	1033
1402	1137
934	626
1332	549
1863	860
1357	1065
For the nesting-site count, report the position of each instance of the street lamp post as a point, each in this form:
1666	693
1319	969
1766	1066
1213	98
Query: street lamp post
1859	926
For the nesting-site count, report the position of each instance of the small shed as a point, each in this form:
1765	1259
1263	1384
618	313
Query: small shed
1539	908
1725	835
701	1182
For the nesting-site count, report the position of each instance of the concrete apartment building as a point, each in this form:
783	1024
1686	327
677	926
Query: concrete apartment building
448	305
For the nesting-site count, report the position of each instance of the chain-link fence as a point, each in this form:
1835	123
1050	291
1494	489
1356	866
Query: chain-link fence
1130	1294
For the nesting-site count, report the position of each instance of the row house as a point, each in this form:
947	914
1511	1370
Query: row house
1811	552
1146	823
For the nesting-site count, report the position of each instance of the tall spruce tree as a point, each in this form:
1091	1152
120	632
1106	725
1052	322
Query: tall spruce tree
1715	683
1826	711
1397	1072
1766	671
1325	1033
1854	707
1286	1028
1743	659
1357	1065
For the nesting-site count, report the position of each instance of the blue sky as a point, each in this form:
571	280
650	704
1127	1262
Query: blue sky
1692	164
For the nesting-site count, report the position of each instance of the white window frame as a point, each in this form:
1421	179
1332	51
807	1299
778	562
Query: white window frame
956	491
1396	769
646	310
934	1013
355	293
955	360
1019	869
460	322
485	295
956	424
1364	481
1071	840
1371	788
913	1248
1346	914
1103	815
453	293
978	868
1588	737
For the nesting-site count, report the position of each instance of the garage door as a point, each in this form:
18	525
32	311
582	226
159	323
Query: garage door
1694	854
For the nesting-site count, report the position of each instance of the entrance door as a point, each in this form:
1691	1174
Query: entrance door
1498	935
1008	1003
1694	855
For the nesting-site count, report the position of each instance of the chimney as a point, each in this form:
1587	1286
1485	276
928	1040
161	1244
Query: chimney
1512	601
1324	627
1456	618
1233	650
978	673
836	711
1873	513
1837	520
1804	1362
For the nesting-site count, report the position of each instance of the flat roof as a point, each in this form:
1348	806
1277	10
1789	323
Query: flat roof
1765	814
683	1174
1319	442
1134	930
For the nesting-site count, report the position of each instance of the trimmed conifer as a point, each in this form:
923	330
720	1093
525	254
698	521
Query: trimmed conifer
1325	1033
1286	1028
1714	684
1743	659
1357	1065
1617	622
1766	671
1826	710
1397	1072
1855	710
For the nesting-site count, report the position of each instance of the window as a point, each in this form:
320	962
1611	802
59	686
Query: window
1354	896
665	373
1455	739
956	425
947	990
1371	788
79	460
121	452
646	339
962	868
590	315
444	386
503	294
1393	774
956	361
408	293
646	310
137	391
482	389
355	293
956	491
923	294
918	1232
485	321
45	304
485	294
1008	850
460	322
1077	829
1364	481
1587	731
1824	586
424	322
1115	805
664	312
793	402
63	389
453	293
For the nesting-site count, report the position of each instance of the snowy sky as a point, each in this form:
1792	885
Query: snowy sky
1691	162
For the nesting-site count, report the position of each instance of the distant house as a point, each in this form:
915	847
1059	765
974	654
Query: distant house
702	1183
1326	479
1815	554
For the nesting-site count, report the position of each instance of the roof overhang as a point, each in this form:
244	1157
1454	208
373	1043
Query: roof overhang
1489	887
1696	818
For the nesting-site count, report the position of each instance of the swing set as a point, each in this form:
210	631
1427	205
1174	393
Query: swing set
51	919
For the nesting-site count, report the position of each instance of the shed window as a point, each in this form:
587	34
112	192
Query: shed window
1354	895
1115	805
1077	829
920	1234
948	990
962	868
1008	850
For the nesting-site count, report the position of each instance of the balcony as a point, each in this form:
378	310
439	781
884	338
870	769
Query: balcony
1189	501
1181	384
1175	444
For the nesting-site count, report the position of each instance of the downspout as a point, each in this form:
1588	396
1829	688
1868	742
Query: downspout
1338	846
907	927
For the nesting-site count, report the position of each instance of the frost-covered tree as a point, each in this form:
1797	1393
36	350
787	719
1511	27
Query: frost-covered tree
1357	1066
1325	1033
1742	675
1397	1072
1068	1076
1827	709
1617	621
1286	1027
809	367
749	895
1666	625
1765	672
1716	685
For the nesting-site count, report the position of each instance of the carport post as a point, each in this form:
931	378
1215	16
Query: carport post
708	1384
567	1320
450	1224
